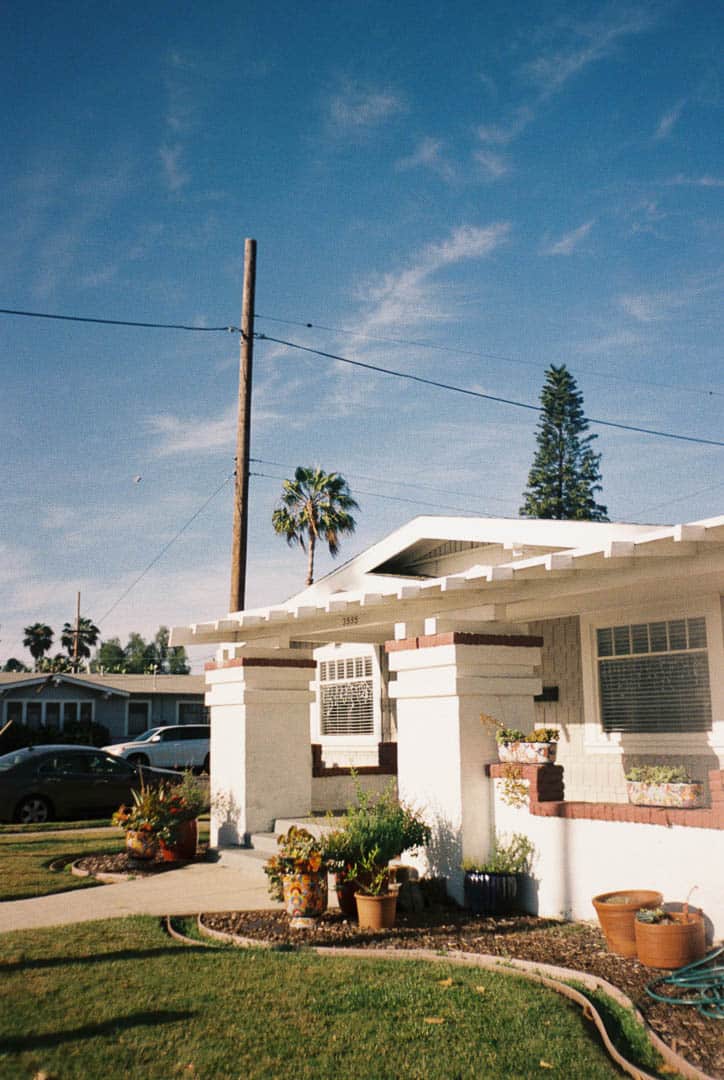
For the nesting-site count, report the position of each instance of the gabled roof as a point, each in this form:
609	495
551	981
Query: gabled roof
507	568
115	685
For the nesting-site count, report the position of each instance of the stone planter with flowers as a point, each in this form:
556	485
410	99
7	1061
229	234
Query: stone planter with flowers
163	818
664	785
539	747
298	877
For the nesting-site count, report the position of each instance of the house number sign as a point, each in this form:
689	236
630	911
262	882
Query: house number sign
350	620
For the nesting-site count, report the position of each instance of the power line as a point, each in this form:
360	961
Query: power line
389	498
123	322
480	394
165	548
485	355
380	480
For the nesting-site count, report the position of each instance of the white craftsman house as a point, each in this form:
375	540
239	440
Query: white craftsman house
612	633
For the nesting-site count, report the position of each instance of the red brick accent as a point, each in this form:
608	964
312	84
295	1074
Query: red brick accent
260	661
545	799
457	637
387	763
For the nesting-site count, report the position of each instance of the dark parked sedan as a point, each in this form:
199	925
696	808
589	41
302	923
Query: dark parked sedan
40	783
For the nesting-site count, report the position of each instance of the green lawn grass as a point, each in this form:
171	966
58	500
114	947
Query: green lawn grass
25	861
119	998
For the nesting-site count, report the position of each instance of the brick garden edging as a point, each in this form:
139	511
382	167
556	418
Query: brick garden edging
546	799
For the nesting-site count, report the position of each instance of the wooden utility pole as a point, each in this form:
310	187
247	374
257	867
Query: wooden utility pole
243	433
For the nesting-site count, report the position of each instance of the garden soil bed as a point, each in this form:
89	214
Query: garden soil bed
572	945
122	863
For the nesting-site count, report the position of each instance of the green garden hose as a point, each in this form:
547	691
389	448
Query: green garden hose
704	980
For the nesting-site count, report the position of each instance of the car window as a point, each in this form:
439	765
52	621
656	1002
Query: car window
171	735
16	757
201	731
146	735
105	765
63	764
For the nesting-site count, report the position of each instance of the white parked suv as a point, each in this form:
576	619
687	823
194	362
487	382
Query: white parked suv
185	746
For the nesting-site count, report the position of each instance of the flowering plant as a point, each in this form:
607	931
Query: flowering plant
299	853
163	809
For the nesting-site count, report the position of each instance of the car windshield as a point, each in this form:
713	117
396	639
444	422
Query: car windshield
15	757
146	735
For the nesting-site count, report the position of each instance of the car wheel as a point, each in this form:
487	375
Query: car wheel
33	810
207	762
137	759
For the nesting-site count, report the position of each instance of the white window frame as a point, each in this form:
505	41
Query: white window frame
601	742
347	651
23	702
138	701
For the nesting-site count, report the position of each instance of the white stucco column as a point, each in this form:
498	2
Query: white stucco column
443	683
261	758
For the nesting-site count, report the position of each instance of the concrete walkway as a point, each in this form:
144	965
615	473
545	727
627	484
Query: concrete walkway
238	884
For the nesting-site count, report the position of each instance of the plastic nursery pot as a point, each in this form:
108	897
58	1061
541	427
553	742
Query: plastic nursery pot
305	897
491	893
617	918
376	912
671	944
184	847
345	889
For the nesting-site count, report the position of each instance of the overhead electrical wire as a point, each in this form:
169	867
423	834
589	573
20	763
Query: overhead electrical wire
165	548
369	367
485	355
479	394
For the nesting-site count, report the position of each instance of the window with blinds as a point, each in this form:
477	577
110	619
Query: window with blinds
654	677
347	696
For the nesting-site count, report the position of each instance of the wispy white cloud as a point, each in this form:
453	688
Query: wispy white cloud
668	120
357	108
568	243
171	160
504	133
179	435
593	41
705	181
493	164
428	155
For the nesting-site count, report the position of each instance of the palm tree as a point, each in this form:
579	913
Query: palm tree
38	638
88	634
315	506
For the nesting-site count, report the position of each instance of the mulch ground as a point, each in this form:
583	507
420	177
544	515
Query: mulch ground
572	945
578	946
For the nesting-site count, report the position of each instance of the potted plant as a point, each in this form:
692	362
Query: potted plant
536	748
298	877
669	939
341	855
380	828
492	887
139	822
663	785
617	912
178	809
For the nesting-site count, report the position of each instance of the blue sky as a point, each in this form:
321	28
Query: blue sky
518	185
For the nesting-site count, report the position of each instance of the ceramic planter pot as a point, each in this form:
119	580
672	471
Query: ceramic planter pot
305	897
491	893
618	919
528	753
671	945
676	796
184	847
376	912
141	844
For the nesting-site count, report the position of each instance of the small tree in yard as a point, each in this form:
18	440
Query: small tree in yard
565	474
315	506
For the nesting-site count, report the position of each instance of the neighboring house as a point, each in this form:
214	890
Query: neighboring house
613	633
125	704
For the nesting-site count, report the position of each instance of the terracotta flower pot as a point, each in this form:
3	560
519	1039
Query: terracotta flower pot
305	897
617	920
184	847
141	844
376	912
671	944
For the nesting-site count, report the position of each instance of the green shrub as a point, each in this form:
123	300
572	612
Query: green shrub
659	774
508	856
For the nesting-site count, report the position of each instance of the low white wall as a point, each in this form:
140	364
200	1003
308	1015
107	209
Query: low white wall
577	859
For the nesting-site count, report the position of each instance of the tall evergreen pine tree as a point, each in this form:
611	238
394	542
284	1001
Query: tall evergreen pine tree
565	474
